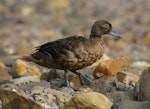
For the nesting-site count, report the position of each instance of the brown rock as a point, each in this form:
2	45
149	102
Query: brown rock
22	68
13	100
4	74
111	67
2	65
88	100
144	85
126	78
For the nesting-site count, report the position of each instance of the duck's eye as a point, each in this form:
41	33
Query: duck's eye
106	25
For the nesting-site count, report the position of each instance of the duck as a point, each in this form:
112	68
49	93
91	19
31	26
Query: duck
75	52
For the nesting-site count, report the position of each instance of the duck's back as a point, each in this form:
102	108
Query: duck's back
70	53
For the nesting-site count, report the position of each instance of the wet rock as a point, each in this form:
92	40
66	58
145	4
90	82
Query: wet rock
22	68
111	67
13	100
127	78
144	83
118	96
127	104
25	80
88	100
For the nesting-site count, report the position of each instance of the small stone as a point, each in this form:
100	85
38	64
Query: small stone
30	86
118	96
2	65
103	86
111	67
88	100
120	86
57	83
127	78
26	10
127	104
4	74
37	89
26	80
13	100
22	68
144	85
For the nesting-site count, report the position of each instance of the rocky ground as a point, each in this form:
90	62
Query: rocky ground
27	24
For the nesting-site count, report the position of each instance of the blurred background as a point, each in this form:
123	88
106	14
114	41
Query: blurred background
25	24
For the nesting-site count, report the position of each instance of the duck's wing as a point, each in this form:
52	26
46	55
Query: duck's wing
60	53
62	47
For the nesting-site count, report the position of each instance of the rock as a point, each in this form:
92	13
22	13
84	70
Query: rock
120	86
118	96
88	100
127	78
4	74
7	85
37	89
103	86
13	100
111	67
22	68
2	65
31	86
144	83
26	10
131	105
52	74
25	80
57	83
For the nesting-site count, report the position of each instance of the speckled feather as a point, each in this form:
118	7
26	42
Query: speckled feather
75	52
70	53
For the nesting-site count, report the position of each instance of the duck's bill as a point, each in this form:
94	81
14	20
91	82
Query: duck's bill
115	34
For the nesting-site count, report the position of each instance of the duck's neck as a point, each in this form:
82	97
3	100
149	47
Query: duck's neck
95	36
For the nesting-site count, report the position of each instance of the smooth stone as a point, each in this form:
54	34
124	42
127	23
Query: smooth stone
26	80
120	96
112	67
88	100
14	100
103	86
144	85
131	105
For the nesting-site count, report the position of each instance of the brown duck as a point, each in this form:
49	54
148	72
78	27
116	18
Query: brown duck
75	52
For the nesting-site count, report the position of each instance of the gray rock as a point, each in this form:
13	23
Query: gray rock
144	89
103	86
120	96
131	105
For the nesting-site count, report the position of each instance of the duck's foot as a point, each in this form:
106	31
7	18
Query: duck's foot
85	79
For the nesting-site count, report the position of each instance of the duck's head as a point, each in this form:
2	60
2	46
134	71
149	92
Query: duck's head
101	27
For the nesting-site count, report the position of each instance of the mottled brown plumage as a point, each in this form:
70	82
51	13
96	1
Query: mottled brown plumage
75	52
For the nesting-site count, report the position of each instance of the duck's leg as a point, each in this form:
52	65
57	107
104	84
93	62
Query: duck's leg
66	78
84	78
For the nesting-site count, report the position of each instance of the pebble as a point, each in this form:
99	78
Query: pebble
144	83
